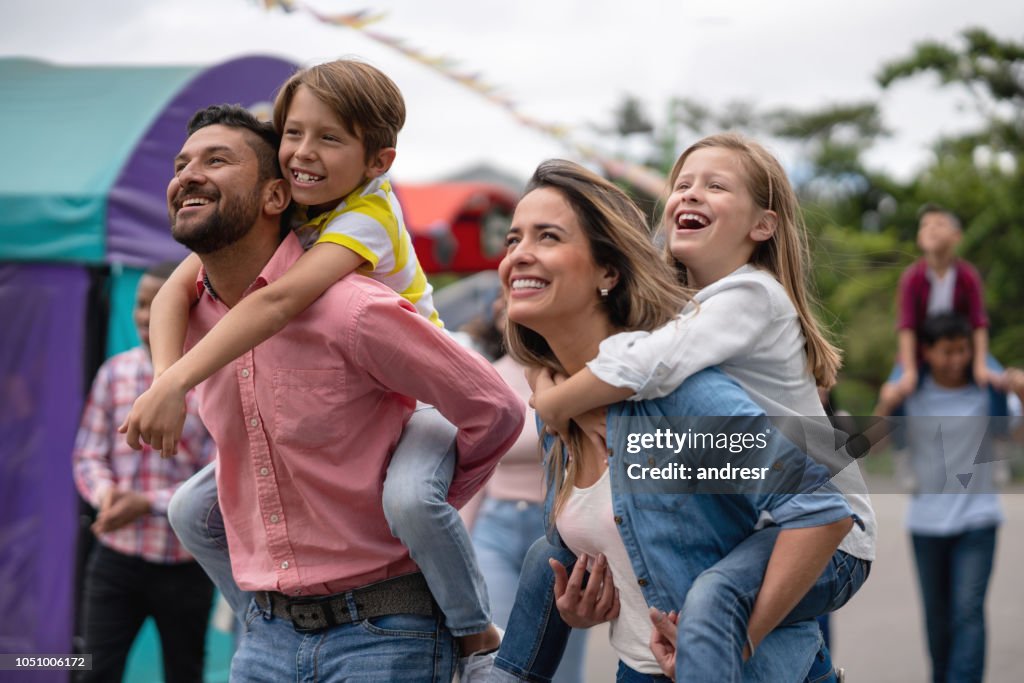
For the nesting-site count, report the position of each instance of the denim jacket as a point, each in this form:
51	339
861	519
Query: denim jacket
673	530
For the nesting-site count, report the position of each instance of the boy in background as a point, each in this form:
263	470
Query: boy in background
954	512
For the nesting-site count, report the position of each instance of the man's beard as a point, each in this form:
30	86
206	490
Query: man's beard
232	221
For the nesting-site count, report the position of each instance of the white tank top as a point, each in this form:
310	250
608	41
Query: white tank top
586	524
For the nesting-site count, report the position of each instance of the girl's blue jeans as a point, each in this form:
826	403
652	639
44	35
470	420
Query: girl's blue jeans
713	618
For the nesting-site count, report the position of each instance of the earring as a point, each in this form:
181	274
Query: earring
604	293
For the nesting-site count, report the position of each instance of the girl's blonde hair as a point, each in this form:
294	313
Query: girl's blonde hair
646	296
786	254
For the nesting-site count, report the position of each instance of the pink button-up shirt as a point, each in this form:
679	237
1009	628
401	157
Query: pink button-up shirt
305	424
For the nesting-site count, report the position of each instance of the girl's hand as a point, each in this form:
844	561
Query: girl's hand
982	375
663	640
585	607
157	417
542	380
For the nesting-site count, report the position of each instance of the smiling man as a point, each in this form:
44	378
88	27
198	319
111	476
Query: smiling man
305	424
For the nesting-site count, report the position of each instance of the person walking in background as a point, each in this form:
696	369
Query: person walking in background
954	512
138	568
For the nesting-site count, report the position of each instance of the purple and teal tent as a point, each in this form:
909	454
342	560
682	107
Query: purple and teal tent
88	153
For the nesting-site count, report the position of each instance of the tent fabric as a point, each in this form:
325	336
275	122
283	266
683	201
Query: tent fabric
44	310
70	130
95	146
457	226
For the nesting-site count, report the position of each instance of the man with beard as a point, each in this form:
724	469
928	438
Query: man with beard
305	424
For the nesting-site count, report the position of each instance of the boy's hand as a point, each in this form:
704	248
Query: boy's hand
158	418
585	607
663	640
118	509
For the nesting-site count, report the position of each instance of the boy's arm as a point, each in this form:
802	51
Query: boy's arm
796	562
168	317
158	415
979	341
908	360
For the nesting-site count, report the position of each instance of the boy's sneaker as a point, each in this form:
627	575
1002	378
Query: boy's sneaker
476	667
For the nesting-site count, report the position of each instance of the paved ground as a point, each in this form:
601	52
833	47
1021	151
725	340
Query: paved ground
878	637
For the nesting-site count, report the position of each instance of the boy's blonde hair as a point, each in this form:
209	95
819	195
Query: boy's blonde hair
786	254
645	297
367	102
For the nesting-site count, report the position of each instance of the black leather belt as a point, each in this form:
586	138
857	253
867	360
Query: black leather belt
406	594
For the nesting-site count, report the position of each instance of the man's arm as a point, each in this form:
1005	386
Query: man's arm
411	356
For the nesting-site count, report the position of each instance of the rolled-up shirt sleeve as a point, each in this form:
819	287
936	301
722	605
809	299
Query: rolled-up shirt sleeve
725	325
410	356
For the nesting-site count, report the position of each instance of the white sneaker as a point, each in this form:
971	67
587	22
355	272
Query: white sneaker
476	667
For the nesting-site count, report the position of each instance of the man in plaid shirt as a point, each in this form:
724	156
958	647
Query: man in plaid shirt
138	567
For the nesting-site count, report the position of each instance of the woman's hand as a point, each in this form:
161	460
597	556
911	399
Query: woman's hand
663	640
157	417
585	607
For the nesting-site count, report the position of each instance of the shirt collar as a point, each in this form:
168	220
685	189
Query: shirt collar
287	253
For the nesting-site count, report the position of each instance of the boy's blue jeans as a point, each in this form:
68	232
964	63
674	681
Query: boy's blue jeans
400	647
416	507
713	620
954	573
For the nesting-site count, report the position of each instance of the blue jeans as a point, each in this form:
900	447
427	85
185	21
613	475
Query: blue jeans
713	619
712	627
400	647
954	572
418	513
502	535
415	504
195	516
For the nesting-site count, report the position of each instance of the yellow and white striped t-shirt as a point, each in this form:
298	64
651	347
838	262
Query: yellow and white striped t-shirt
369	222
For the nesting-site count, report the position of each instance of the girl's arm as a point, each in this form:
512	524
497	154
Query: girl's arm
168	316
158	415
798	559
728	324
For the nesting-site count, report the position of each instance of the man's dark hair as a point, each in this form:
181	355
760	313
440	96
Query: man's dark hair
235	116
162	270
944	326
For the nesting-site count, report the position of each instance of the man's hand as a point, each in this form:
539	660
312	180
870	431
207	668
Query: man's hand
585	607
157	417
119	508
663	640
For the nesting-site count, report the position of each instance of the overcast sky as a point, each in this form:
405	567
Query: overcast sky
563	61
